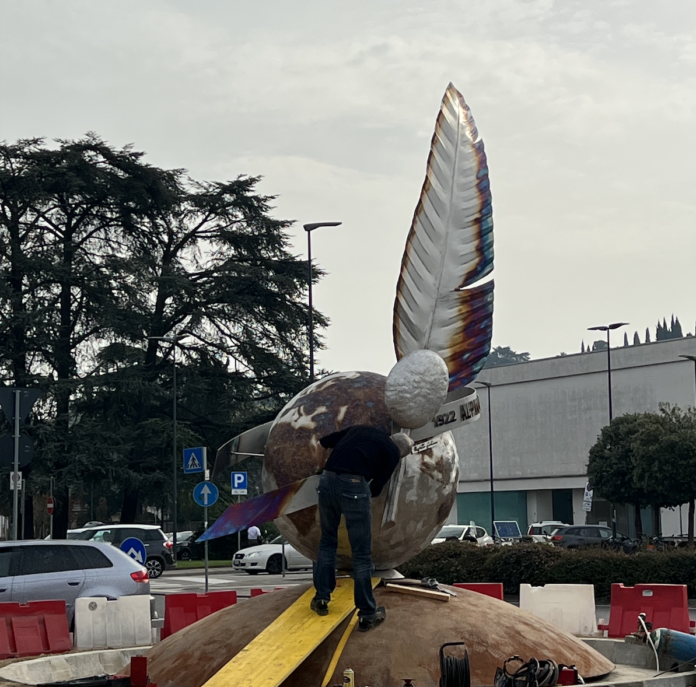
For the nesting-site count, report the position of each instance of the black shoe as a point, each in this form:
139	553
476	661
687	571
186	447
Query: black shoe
320	606
368	622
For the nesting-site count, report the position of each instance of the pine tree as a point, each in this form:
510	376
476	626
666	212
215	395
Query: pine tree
99	252
647	335
636	339
625	343
582	347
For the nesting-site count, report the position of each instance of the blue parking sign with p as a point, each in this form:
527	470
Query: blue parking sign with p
239	483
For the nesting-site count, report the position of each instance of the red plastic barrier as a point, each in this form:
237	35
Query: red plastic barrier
258	591
664	605
494	589
182	610
38	627
138	672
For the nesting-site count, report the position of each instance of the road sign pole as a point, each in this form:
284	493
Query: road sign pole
24	506
15	495
239	533
174	456
205	547
54	507
205	519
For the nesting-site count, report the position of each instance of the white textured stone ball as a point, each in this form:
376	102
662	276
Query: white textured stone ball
416	387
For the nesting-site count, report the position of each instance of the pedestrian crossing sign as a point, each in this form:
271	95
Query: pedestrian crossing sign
194	460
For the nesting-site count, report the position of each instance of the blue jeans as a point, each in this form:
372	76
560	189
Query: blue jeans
347	495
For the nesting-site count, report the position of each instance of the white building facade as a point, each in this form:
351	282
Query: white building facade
546	415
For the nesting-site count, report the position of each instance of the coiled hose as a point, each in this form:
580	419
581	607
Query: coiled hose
454	672
532	673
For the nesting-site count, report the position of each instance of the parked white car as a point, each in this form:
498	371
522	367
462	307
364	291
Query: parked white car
541	532
472	533
269	558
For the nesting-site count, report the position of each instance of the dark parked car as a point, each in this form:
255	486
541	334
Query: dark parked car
157	546
592	535
187	549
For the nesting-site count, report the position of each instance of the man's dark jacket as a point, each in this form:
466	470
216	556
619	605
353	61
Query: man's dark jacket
362	450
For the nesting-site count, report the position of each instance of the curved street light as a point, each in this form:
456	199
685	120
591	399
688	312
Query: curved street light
309	228
174	341
607	328
488	386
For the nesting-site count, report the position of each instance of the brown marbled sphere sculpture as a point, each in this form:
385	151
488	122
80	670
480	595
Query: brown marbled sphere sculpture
293	452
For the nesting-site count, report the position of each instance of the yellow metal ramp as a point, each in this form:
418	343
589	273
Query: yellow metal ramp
284	645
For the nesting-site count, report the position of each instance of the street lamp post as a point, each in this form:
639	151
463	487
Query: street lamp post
488	386
608	328
691	357
174	341
309	228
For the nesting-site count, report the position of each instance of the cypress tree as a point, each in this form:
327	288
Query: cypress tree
677	329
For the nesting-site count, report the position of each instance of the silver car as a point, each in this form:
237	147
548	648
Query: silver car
67	570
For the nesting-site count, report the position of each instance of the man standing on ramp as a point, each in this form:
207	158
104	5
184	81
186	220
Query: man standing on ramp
361	462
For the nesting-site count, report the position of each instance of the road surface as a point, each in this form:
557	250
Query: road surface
222	579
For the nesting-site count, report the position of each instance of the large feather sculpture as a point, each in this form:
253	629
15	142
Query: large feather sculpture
449	249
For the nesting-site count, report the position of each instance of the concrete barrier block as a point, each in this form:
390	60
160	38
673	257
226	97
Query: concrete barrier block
104	624
569	606
72	666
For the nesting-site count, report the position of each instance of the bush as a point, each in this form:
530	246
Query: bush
522	564
598	567
537	564
450	562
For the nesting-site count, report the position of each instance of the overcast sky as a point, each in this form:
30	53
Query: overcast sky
587	109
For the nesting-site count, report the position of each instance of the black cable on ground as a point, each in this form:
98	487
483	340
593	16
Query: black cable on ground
532	673
454	671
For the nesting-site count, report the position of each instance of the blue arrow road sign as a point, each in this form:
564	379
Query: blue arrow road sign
239	483
205	494
194	460
134	548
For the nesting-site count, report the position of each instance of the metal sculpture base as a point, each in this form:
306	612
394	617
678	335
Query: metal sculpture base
405	645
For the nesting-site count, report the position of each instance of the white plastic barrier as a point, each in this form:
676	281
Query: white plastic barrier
569	606
104	624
